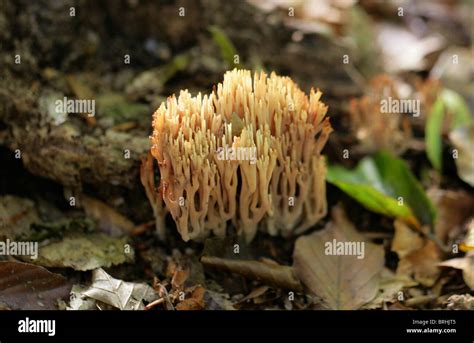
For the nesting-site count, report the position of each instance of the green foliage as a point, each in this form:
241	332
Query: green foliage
366	54
226	47
455	104
120	109
448	101
384	184
433	129
178	63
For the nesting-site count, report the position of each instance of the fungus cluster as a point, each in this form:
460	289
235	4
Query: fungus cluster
376	128
248	154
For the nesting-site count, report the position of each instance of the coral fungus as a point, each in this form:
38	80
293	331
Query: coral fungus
375	127
247	154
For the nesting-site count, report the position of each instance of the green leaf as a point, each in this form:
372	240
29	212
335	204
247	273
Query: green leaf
457	106
433	128
227	48
379	182
453	103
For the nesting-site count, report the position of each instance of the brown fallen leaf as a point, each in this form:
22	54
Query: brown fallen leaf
343	281
453	210
26	286
110	221
405	239
195	301
421	264
184	270
179	278
181	289
389	287
418	255
271	274
255	293
118	293
466	264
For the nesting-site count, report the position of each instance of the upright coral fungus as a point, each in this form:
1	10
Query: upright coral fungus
248	154
378	127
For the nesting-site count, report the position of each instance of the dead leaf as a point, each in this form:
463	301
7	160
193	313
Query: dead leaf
255	293
453	209
403	51
194	302
460	302
462	139
271	274
389	287
85	252
421	264
117	293
342	281
466	264
418	256
184	270
78	302
110	221
405	239
25	286
179	278
218	301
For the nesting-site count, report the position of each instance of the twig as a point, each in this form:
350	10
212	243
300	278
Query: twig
271	274
154	303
